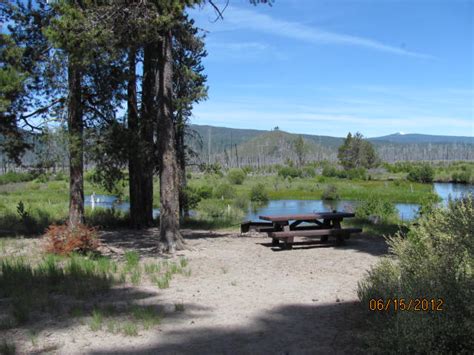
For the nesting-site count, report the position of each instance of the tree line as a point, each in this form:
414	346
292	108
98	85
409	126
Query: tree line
75	62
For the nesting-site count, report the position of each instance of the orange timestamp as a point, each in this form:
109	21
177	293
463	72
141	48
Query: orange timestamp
402	304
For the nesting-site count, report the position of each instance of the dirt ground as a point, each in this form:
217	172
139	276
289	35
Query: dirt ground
243	297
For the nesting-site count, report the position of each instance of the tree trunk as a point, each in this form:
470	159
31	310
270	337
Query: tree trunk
181	156
76	147
170	236
147	129
138	215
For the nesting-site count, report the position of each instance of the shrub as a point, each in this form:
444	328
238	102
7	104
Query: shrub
329	171
423	173
214	208
433	261
428	204
236	176
356	174
289	172
258	193
241	202
13	177
330	193
63	240
308	172
224	191
107	217
204	191
463	177
374	207
189	198
217	209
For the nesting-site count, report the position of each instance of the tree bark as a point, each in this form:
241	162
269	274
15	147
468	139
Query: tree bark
170	235
147	129
181	156
76	147
138	216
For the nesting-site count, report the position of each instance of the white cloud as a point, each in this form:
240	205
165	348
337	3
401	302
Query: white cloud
238	19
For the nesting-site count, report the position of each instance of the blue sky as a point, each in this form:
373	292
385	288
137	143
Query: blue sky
330	67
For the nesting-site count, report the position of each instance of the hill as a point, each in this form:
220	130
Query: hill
423	138
232	147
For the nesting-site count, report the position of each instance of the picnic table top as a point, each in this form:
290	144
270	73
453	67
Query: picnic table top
307	216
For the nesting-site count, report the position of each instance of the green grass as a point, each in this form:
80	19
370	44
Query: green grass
96	320
313	188
130	329
132	259
47	202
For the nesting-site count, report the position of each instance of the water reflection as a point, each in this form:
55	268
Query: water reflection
406	211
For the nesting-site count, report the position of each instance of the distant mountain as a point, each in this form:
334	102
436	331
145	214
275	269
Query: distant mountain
423	138
233	147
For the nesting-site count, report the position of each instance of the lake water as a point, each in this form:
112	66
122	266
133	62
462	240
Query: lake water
406	211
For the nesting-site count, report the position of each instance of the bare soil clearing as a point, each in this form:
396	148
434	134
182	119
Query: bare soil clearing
243	297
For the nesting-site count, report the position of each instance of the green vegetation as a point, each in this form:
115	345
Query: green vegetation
330	193
356	152
30	207
377	209
236	176
433	261
422	173
458	171
258	193
34	286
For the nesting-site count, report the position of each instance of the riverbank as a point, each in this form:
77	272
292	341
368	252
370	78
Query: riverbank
44	203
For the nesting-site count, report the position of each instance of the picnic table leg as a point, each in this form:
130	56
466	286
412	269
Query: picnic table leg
336	223
288	243
326	224
276	227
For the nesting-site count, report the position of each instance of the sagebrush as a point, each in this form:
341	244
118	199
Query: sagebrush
435	260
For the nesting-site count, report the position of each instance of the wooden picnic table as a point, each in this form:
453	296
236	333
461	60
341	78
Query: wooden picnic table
321	224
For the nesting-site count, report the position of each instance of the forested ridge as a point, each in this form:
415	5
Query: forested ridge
232	147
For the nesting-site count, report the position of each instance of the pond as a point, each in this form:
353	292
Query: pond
406	211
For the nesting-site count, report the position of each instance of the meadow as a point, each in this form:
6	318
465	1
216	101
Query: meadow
28	207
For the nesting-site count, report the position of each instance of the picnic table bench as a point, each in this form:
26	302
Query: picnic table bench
286	227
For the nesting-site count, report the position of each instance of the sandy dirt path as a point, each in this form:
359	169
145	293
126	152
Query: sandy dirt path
243	297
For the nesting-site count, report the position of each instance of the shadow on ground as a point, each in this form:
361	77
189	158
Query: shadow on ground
289	329
363	243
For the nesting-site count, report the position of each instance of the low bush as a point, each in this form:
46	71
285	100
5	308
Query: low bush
258	193
289	172
376	208
14	177
422	173
434	261
63	240
308	172
224	191
330	193
189	198
356	174
107	218
241	202
463	177
236	176
219	210
329	171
